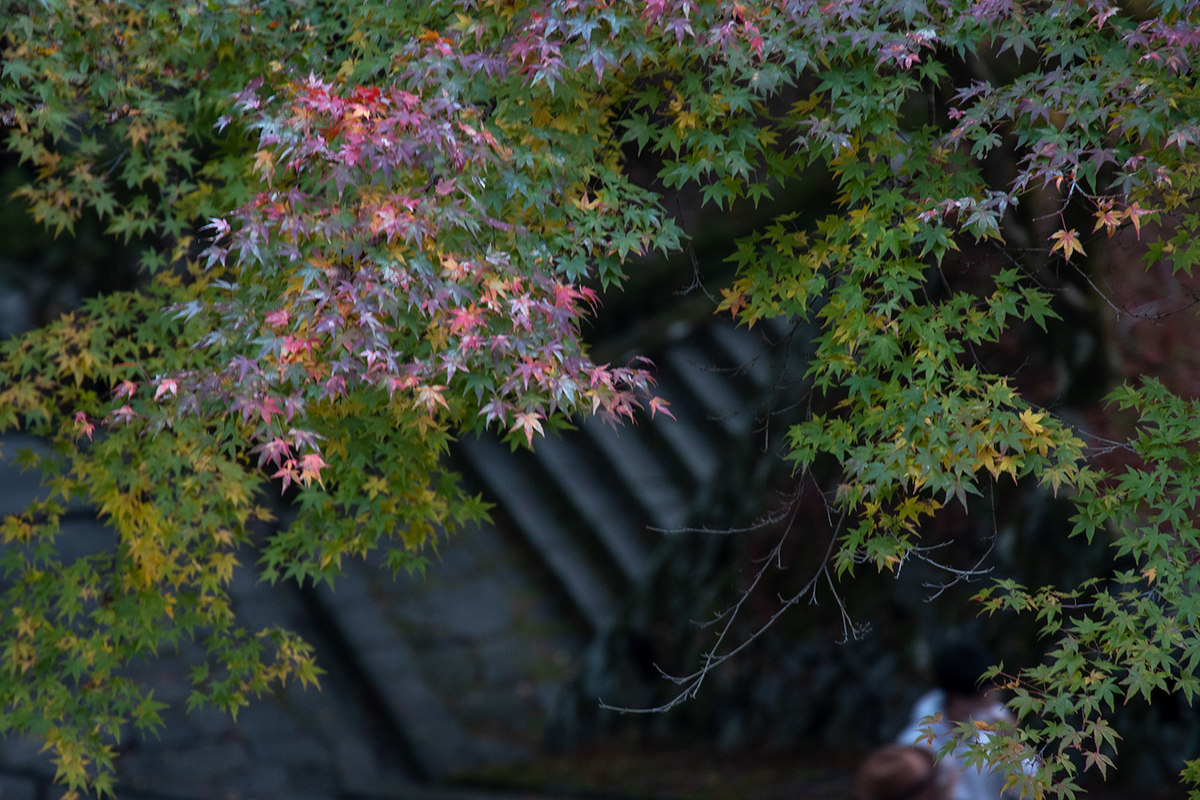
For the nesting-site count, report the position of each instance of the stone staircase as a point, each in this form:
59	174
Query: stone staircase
594	504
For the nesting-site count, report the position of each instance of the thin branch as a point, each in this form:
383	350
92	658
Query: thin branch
961	575
693	682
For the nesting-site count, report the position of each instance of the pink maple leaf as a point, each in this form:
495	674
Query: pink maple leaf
287	471
495	409
166	386
267	408
529	422
123	414
658	404
83	426
310	469
273	451
277	318
465	319
402	383
335	386
529	368
297	344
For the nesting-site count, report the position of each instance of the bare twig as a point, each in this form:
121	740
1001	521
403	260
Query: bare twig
713	659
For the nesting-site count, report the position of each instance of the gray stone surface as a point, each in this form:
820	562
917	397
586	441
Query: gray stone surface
19	486
294	743
16	314
467	644
13	787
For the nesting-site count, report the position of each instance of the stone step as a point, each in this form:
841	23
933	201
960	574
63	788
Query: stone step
745	352
712	389
520	495
687	440
653	485
493	636
616	526
435	740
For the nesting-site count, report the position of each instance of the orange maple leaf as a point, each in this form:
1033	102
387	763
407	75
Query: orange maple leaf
1107	218
1068	242
1135	213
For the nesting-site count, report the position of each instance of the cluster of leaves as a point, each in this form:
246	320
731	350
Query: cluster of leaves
403	207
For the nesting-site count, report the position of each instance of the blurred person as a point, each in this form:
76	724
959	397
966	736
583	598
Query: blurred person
960	695
899	772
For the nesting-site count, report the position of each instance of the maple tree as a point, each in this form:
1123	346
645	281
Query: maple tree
371	225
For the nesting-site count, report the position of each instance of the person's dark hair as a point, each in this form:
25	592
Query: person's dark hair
898	772
958	667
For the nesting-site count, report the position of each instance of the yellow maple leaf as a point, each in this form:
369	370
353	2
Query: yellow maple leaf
137	132
1032	422
732	300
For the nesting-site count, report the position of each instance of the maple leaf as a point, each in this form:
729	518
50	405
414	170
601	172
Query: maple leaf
1107	218
264	164
658	404
310	469
125	388
299	344
273	451
1031	421
529	422
1068	242
733	299
402	383
124	414
1135	213
83	426
431	397
495	408
220	228
600	375
465	319
267	408
335	386
288	473
137	133
530	368
166	386
304	438
277	318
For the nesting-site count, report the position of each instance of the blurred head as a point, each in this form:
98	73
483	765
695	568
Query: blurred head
897	772
958	668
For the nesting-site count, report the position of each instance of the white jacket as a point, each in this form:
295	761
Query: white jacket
971	783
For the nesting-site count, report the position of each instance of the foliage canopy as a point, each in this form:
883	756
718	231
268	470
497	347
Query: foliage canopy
373	224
